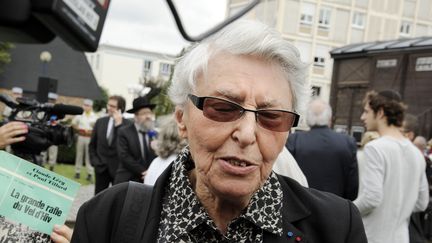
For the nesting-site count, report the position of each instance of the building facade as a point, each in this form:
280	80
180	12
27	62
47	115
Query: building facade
404	66
121	70
318	26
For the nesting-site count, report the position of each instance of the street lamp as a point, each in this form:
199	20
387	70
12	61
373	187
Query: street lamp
45	57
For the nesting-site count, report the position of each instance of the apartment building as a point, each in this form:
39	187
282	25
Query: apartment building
120	69
318	26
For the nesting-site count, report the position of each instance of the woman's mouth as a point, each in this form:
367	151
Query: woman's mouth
236	166
237	162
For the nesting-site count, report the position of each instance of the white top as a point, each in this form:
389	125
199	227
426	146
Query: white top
85	121
286	165
392	186
157	166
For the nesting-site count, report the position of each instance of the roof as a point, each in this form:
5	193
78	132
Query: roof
406	44
68	66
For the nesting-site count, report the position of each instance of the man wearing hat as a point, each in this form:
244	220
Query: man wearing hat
83	125
133	145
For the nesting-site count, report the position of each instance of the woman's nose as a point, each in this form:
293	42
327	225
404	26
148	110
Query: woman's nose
245	129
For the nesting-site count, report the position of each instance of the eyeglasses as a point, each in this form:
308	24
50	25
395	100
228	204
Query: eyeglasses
222	110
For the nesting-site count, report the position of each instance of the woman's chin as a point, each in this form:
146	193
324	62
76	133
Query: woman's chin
235	190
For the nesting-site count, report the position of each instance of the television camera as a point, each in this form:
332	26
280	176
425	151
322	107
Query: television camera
43	122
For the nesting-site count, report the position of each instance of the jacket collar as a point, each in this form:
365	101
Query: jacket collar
293	210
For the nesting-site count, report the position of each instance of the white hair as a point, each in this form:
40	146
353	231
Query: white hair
318	113
420	142
243	37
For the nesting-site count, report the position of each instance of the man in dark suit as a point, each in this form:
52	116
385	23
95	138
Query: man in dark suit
102	147
134	140
328	159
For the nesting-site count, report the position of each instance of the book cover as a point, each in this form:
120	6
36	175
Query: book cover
32	200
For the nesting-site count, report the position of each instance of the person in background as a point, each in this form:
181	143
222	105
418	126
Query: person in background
286	165
418	220
168	145
393	184
17	92
102	148
50	155
83	126
327	158
135	152
236	95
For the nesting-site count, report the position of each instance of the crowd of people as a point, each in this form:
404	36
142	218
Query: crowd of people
226	167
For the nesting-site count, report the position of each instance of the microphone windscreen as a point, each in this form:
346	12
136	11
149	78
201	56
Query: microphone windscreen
60	109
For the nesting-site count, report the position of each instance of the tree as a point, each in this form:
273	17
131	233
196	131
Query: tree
163	102
5	57
101	103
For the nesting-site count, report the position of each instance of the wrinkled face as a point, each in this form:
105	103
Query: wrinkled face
145	118
369	118
233	159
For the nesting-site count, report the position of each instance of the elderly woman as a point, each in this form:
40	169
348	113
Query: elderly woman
168	146
236	94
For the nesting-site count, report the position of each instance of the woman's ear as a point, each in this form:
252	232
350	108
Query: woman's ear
179	116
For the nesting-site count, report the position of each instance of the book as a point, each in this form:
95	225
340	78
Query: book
32	199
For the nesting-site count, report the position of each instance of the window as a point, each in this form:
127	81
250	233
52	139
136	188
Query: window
358	20
386	63
146	67
306	19
165	69
423	64
405	28
324	18
319	61
357	132
316	90
307	14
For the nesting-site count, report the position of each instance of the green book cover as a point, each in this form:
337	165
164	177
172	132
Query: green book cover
33	196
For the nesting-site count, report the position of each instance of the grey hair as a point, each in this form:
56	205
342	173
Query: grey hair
420	142
318	113
169	142
243	37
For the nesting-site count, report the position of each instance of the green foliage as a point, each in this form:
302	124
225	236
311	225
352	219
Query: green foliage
5	57
163	103
102	103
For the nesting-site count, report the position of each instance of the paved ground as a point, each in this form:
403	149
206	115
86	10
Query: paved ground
84	194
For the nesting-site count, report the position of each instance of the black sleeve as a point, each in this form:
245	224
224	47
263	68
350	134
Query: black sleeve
98	218
352	178
356	232
94	158
128	161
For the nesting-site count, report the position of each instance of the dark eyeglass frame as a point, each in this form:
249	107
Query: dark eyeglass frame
200	101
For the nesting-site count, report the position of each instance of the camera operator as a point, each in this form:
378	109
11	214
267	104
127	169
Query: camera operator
12	132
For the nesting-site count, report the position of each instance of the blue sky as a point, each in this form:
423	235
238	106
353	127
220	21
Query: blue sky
148	24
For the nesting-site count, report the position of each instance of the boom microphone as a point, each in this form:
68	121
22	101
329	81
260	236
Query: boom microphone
61	109
7	100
